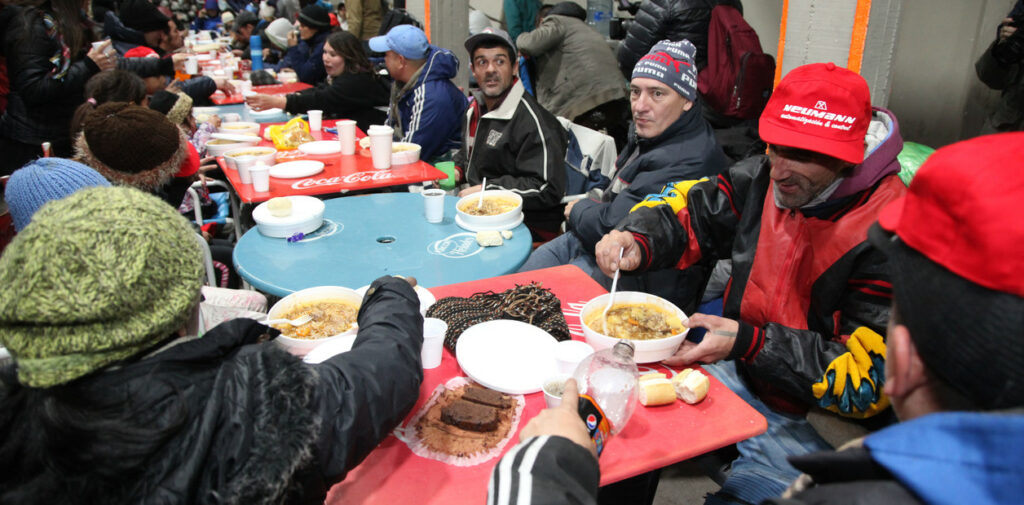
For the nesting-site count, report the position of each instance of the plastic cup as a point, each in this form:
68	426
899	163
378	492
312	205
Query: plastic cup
380	146
553	387
191	65
347	136
433	205
243	164
260	175
315	120
246	87
433	342
569	354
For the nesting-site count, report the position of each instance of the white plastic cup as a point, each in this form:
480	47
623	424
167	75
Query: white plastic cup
569	354
347	136
433	205
380	146
553	388
433	342
260	175
315	120
246	87
192	65
243	164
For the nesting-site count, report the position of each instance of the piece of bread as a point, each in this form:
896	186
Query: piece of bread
652	376
488	238
280	206
506	234
691	386
656	392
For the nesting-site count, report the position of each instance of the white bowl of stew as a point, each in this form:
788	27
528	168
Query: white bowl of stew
334	310
501	209
655	326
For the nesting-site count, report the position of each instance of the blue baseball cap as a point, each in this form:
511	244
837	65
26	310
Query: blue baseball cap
406	40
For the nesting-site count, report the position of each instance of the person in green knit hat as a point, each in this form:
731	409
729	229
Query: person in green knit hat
110	398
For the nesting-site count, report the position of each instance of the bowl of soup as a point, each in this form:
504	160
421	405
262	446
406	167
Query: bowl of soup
655	326
240	128
333	309
265	155
500	210
217	147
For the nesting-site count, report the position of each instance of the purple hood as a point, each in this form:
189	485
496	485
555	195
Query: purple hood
880	162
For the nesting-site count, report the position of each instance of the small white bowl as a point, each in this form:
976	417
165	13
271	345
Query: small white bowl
495	222
240	127
569	353
403	153
647	351
267	155
298	346
307	215
223	145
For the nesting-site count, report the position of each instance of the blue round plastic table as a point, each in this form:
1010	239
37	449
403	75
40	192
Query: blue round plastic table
365	237
243	112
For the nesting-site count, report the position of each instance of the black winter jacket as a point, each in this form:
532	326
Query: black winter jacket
41	103
247	422
348	96
669	19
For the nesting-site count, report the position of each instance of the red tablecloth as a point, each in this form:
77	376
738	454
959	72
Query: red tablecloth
655	437
352	172
220	98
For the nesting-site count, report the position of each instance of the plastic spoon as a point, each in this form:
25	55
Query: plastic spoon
611	294
299	321
483	187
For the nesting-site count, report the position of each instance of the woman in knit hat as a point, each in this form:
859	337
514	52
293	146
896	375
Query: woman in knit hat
352	91
305	48
43	180
110	400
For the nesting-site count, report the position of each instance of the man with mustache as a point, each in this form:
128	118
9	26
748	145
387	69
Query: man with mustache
669	141
807	304
509	139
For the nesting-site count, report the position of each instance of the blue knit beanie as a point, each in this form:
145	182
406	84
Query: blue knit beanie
43	180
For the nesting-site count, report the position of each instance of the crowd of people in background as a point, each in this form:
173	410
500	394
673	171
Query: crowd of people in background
844	292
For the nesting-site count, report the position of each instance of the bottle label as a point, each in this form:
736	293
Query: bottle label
597	423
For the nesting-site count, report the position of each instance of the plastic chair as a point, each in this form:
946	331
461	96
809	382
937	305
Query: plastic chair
589	161
227	206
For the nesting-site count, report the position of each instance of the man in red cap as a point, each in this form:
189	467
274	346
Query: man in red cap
955	348
807	304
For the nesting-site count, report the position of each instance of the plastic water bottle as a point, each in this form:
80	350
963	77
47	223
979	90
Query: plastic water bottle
599	16
256	52
607	385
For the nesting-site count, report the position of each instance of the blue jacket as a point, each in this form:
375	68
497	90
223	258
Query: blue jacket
201	24
430	109
307	59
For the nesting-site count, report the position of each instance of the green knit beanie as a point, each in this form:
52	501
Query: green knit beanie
95	278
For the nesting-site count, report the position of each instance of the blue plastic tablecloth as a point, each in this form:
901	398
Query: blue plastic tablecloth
365	237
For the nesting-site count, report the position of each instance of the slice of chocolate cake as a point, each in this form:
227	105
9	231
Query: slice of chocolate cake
470	416
485	396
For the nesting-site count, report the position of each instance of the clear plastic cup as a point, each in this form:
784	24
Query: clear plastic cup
433	342
347	136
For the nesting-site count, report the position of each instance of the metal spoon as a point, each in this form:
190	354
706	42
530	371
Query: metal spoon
611	294
299	321
483	187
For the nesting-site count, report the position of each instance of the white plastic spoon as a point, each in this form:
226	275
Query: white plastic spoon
299	321
483	187
611	294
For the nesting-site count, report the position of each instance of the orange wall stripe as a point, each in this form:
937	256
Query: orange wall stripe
860	35
426	18
782	42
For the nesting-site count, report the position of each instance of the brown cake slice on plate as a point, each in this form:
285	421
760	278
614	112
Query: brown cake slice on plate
470	416
485	396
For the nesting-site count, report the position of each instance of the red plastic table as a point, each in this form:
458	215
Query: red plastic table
655	437
341	172
220	98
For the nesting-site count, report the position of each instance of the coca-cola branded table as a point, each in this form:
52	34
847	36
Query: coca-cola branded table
340	174
655	437
365	237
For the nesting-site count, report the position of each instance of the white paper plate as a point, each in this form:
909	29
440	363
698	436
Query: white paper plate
267	112
321	147
507	226
426	297
328	350
296	169
507	356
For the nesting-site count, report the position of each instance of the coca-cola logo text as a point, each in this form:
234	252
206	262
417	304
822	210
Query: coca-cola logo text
376	175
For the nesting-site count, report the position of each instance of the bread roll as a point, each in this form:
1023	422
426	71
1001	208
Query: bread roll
280	207
652	376
488	238
656	392
691	386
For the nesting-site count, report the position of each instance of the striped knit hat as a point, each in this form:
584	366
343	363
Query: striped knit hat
98	277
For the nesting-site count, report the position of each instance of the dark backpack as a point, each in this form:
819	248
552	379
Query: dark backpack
738	79
394	17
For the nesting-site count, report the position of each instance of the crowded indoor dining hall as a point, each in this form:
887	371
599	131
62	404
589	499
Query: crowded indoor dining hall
511	251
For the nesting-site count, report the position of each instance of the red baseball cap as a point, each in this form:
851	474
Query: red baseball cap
819	107
962	211
141	52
